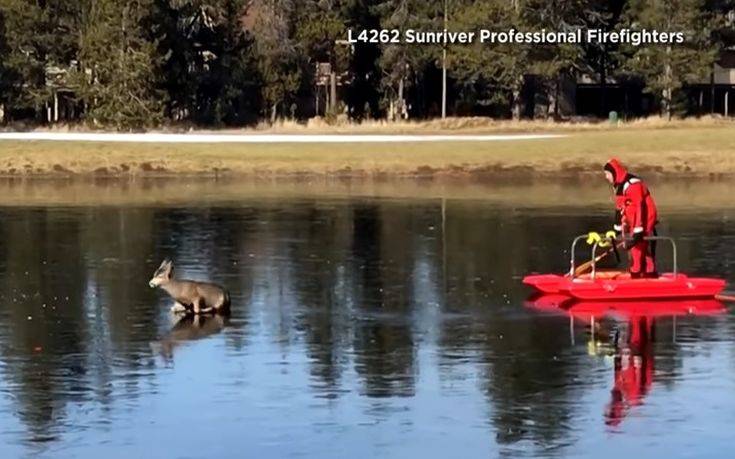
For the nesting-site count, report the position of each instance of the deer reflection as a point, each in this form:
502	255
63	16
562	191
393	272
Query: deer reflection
188	328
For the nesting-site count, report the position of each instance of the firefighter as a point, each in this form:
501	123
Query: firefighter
635	218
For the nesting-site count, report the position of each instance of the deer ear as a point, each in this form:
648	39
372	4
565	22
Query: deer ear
163	264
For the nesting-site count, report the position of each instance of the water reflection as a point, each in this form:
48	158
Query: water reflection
634	369
188	328
626	331
390	323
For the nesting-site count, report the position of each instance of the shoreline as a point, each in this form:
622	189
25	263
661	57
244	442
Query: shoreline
671	195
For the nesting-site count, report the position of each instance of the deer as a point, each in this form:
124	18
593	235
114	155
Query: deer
190	296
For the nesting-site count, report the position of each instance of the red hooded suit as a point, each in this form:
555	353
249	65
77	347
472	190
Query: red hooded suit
635	217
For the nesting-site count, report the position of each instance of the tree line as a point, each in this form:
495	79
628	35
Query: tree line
141	63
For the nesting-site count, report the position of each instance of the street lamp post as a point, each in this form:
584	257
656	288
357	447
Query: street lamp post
444	68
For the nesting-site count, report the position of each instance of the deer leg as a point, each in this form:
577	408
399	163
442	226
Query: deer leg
197	306
207	310
178	308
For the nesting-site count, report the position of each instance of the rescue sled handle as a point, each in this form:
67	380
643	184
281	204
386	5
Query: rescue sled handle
596	244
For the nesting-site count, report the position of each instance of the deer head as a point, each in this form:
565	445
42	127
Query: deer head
163	274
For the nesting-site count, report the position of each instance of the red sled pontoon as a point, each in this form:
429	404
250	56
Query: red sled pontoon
618	285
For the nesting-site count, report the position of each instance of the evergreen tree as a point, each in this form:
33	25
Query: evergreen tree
494	72
404	65
116	77
600	59
363	91
551	62
206	66
320	31
722	15
279	56
38	36
134	63
665	68
4	75
490	72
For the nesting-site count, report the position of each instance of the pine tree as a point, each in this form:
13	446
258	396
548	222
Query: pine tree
363	91
38	36
551	62
496	71
206	67
319	28
403	65
320	32
665	68
116	76
279	56
4	75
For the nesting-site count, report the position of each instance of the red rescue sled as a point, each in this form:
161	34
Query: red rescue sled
618	285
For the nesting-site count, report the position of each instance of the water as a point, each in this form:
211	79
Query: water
360	327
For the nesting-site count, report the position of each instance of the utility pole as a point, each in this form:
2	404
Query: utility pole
444	68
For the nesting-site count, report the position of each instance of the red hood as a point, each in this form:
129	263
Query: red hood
618	170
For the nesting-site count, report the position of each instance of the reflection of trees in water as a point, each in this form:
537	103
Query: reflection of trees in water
209	244
117	246
341	266
527	382
81	276
488	249
702	239
384	345
360	281
316	242
44	331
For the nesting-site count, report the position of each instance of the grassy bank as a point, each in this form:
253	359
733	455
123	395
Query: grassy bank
686	148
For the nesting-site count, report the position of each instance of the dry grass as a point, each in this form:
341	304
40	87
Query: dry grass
477	125
692	147
452	125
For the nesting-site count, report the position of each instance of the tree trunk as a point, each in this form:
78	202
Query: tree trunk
517	100
333	91
727	97
668	90
712	94
401	102
603	86
553	108
701	100
666	102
